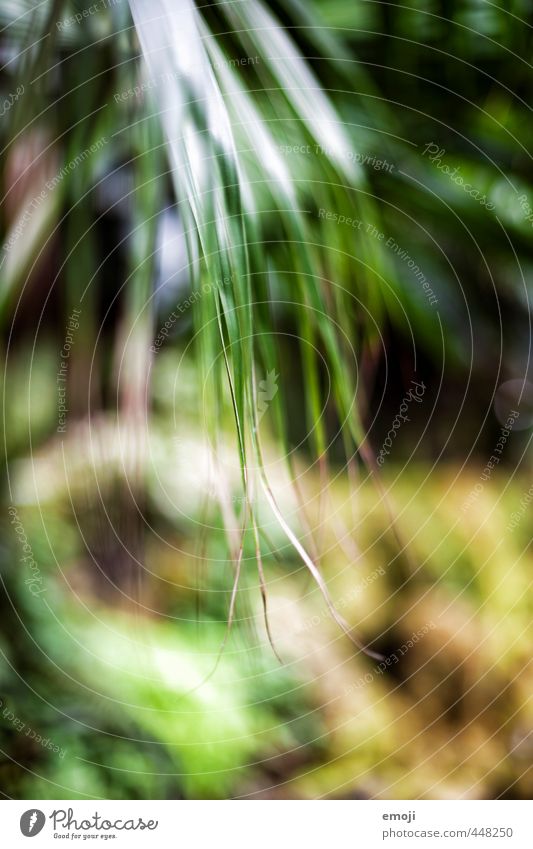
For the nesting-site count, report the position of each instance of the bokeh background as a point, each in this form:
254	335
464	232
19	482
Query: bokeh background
221	226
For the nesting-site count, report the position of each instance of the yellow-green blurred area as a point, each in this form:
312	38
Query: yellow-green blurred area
121	666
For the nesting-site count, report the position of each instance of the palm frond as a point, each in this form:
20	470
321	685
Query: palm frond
228	146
